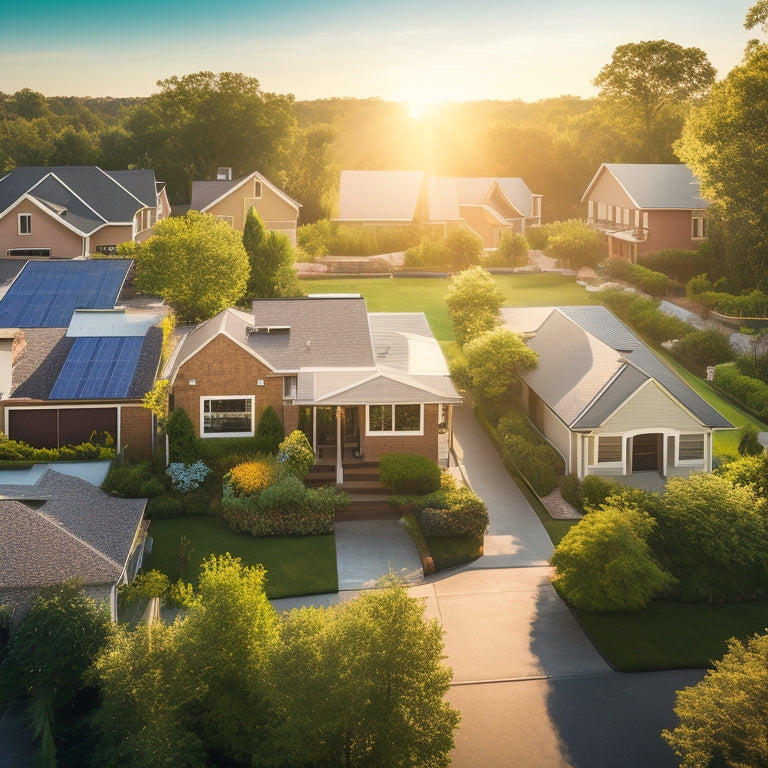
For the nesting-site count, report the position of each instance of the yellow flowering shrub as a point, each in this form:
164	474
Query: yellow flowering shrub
251	477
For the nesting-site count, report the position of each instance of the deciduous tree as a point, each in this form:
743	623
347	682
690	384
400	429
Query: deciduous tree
195	262
473	302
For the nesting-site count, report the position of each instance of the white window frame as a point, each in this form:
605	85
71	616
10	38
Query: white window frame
207	398
377	432
614	463
26	228
690	462
290	387
698	228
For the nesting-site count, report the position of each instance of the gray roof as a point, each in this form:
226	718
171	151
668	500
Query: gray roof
205	193
86	197
590	363
78	531
336	348
655	185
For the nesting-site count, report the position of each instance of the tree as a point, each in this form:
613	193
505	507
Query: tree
473	302
203	120
722	718
723	142
710	534
49	654
604	563
492	361
648	82
575	244
464	248
271	258
195	262
512	250
363	683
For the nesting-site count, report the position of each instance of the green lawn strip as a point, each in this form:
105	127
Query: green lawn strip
295	565
427	294
669	635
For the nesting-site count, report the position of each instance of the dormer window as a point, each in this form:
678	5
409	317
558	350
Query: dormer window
25	223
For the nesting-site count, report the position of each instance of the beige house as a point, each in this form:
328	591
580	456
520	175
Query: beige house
646	207
231	199
76	211
488	206
605	401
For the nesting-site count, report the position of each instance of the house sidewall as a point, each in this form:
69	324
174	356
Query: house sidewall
426	444
46	232
670	229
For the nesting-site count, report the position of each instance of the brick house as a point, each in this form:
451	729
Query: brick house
358	384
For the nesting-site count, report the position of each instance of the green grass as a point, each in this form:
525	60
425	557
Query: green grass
669	635
295	565
427	294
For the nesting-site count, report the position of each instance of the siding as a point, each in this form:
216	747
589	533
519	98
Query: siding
651	410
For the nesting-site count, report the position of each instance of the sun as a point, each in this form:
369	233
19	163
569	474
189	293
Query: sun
418	109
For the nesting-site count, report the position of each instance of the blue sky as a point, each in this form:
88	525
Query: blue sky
402	50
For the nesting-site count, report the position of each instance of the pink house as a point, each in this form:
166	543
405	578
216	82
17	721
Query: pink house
646	207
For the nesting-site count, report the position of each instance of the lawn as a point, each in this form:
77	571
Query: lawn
427	294
295	565
669	635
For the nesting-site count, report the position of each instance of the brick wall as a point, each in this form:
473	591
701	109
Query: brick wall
136	430
375	446
223	368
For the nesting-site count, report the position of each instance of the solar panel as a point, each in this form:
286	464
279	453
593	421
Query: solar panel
46	293
98	368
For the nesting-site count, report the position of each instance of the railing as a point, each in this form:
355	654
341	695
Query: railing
638	234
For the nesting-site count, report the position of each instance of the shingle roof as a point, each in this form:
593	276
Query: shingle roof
590	362
85	196
655	185
78	532
205	193
379	195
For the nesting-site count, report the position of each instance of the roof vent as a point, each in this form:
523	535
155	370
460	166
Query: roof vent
266	329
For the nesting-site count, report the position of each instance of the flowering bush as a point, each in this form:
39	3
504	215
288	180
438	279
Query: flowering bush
187	477
295	455
250	477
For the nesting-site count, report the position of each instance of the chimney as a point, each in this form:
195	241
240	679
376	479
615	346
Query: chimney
223	174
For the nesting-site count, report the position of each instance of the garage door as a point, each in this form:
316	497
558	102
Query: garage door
54	427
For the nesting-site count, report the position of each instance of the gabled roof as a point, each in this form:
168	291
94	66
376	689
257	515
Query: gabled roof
590	363
379	195
85	198
335	347
654	185
205	194
78	532
45	294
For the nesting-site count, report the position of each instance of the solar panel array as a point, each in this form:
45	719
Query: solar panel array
98	368
46	293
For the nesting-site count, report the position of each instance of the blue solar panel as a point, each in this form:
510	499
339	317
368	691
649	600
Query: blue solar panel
98	368
46	293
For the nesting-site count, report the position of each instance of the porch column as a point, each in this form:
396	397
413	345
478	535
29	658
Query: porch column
339	446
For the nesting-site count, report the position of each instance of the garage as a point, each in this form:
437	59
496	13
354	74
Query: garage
53	427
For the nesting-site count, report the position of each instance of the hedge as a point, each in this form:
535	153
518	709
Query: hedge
406	473
15	450
648	281
751	393
464	514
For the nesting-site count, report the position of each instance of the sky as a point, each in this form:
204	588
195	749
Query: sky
400	50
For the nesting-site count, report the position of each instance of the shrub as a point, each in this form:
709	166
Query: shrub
570	490
269	432
679	264
604	562
135	481
463	247
165	506
95	449
428	253
595	491
512	251
187	477
749	445
182	441
750	393
536	461
295	455
699	349
464	514
575	244
251	477
538	237
408	473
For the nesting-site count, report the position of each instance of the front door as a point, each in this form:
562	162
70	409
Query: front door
646	450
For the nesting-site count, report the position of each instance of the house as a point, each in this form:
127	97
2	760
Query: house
76	211
62	527
646	207
231	199
605	401
70	362
358	384
488	206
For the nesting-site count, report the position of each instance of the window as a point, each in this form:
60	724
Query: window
400	419
609	449
226	416
25	223
698	228
29	253
256	189
289	387
690	447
